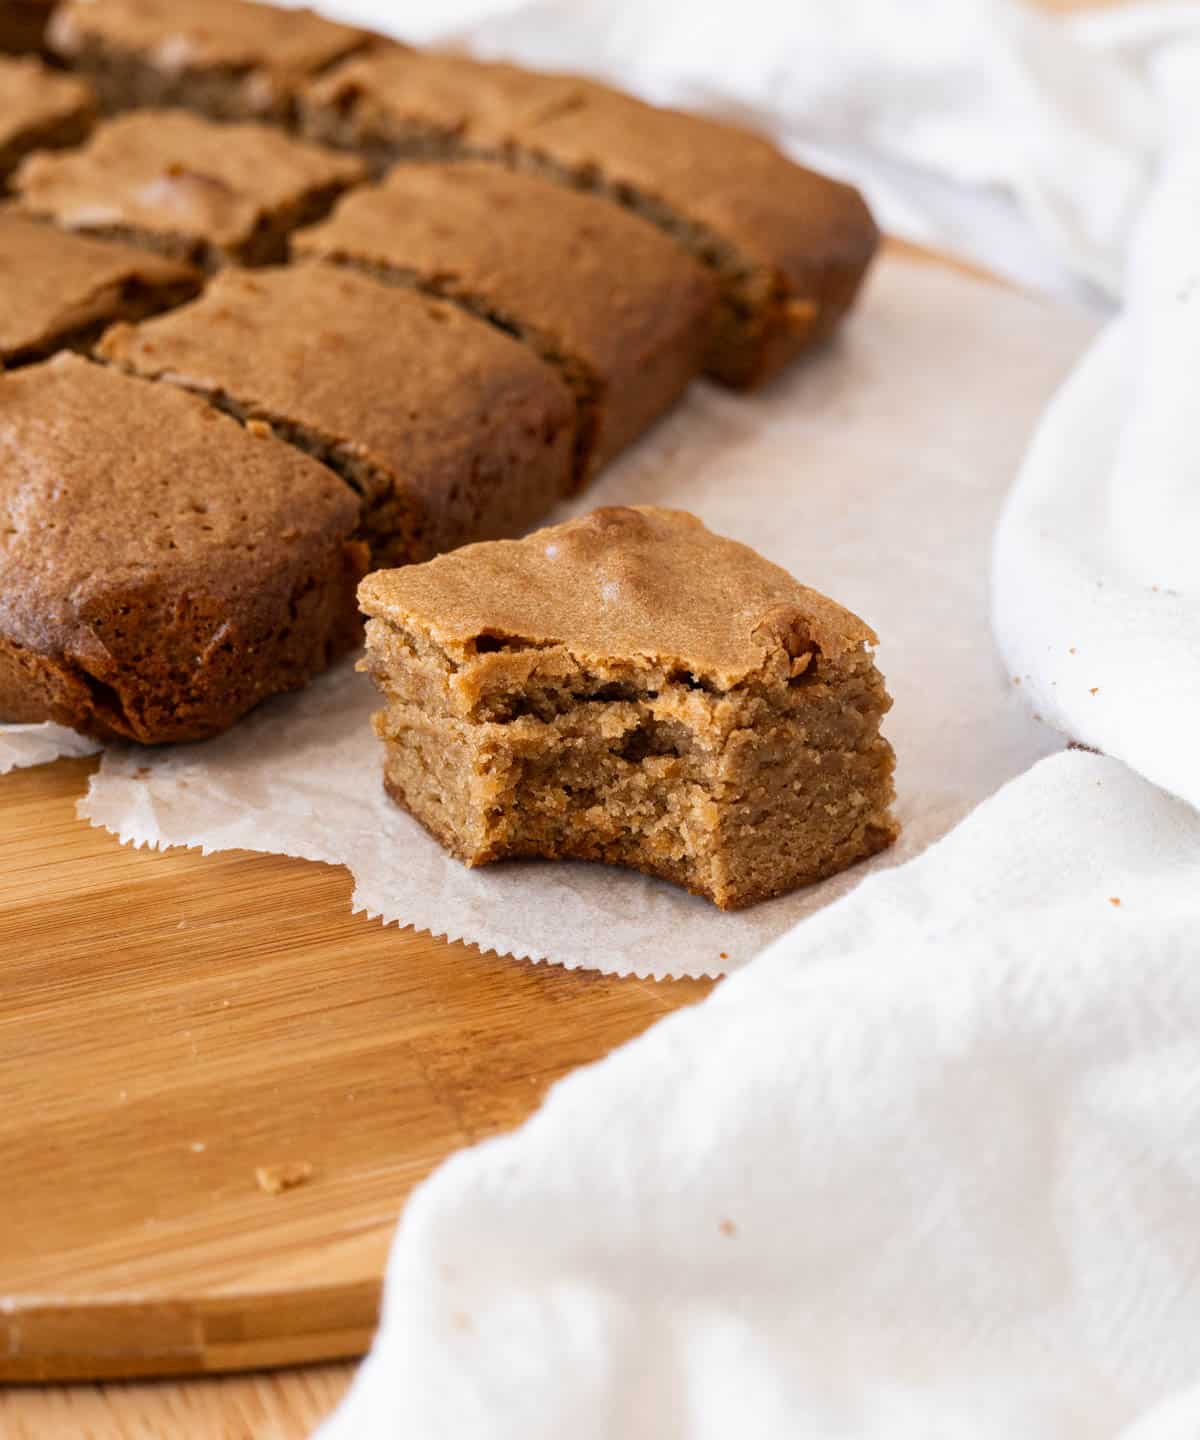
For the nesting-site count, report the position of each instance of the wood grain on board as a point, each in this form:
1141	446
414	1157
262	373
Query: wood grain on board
171	1024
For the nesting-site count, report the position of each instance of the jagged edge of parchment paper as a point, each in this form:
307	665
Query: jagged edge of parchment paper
128	836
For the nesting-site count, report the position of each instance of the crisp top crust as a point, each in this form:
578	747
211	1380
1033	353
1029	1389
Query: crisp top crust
53	283
462	97
179	35
111	486
731	180
413	385
619	583
604	285
32	95
165	170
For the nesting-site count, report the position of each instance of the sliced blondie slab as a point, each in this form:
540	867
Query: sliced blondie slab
448	430
40	109
228	59
59	291
789	247
631	688
620	310
162	569
188	188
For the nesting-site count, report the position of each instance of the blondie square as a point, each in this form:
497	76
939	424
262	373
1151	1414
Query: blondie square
59	291
619	309
448	430
188	188
631	688
789	247
162	569
227	59
40	109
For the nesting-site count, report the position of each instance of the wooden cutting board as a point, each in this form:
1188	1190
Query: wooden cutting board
169	1024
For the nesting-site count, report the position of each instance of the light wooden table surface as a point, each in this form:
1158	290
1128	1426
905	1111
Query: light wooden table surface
285	1405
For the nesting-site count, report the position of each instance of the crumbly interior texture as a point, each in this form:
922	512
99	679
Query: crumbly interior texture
736	775
225	59
186	188
789	247
162	569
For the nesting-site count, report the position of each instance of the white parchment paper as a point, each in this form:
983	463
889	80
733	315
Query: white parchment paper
25	745
874	472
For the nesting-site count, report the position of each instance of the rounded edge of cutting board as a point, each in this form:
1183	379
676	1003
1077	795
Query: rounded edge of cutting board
68	1340
173	1024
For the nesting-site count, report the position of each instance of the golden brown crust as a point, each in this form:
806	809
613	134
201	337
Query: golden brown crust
451	431
186	34
791	246
40	108
57	288
161	570
807	238
634	581
198	188
621	308
233	58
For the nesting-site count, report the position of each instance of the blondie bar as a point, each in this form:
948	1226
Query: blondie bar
40	109
631	688
227	59
789	247
162	569
447	430
620	310
188	188
59	291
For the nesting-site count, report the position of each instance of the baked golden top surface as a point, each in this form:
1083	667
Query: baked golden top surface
110	485
601	282
621	582
165	170
193	34
732	181
53	282
408	383
32	95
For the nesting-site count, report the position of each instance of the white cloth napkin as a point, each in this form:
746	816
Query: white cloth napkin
928	1166
1097	562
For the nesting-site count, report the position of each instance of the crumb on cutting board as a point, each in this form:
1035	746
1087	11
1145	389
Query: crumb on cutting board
275	1179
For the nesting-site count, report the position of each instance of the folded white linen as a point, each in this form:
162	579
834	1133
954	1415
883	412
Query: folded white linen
1096	579
929	1167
